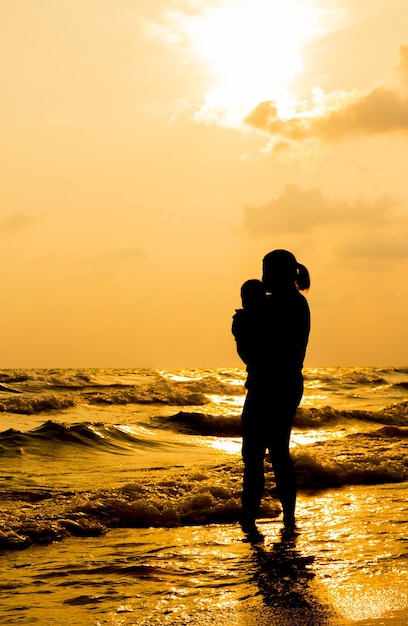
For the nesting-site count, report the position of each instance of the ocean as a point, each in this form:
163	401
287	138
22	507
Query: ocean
120	497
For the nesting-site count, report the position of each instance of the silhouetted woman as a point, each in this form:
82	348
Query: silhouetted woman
274	383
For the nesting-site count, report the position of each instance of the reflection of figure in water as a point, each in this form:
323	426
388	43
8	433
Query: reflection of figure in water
271	339
286	581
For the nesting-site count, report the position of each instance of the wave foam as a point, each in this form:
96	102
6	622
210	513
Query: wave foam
201	495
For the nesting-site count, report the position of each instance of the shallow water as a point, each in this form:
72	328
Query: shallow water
120	495
347	563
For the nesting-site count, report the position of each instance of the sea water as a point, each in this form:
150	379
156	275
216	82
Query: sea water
120	496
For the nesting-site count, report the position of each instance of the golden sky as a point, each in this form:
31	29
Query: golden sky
153	151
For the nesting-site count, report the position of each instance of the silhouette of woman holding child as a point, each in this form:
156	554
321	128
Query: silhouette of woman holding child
271	331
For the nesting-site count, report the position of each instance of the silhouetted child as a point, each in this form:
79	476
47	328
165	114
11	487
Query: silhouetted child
246	322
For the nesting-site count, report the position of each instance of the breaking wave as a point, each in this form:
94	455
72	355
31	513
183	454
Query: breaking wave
201	495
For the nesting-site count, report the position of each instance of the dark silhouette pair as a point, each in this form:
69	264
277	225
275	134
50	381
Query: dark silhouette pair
271	332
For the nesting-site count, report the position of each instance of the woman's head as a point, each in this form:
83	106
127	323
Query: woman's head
282	271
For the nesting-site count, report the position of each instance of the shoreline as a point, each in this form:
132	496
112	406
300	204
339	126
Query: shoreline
195	575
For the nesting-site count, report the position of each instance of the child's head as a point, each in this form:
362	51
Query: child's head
252	293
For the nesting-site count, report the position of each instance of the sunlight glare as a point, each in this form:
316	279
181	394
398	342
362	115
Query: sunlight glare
253	50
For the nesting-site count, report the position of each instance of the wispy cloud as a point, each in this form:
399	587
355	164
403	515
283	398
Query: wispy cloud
383	246
115	256
300	211
402	66
17	222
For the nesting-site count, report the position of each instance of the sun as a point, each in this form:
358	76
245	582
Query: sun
253	50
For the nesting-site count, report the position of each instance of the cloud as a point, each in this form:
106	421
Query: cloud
402	66
17	222
115	256
338	115
380	111
384	246
299	211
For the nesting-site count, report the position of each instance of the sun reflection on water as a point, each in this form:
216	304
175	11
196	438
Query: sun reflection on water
360	563
230	445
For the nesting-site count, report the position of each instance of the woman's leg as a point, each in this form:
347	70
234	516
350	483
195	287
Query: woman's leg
286	403
285	475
